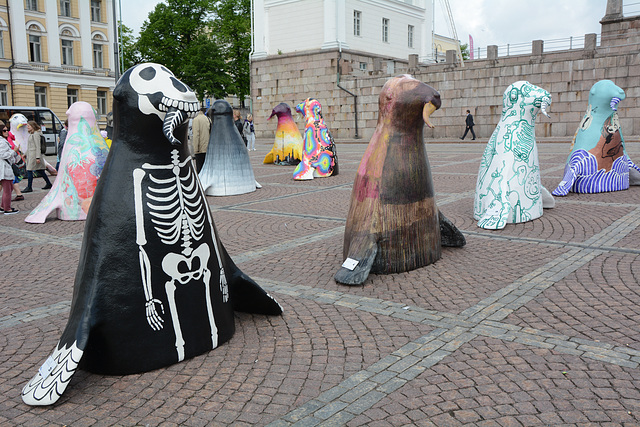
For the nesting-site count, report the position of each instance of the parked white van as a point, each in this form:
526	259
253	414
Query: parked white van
46	118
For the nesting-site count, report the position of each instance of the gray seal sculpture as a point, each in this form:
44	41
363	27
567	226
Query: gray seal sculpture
154	284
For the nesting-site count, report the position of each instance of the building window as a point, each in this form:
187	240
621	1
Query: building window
65	7
357	17
97	55
95	11
363	66
72	96
34	48
385	30
1	44
410	36
41	96
3	95
102	102
67	52
32	5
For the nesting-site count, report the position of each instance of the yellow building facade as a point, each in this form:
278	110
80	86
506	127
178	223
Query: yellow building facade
56	52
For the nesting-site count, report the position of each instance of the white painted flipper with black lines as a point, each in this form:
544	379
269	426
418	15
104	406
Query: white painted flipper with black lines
53	377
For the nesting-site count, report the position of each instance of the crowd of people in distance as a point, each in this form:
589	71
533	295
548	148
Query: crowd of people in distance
16	165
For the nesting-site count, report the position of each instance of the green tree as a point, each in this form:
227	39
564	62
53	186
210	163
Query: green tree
128	50
232	29
177	34
464	49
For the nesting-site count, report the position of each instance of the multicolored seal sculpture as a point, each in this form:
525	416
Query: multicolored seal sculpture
287	148
81	162
393	223
508	189
598	161
319	157
154	285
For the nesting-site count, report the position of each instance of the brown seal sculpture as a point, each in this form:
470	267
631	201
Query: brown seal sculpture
393	223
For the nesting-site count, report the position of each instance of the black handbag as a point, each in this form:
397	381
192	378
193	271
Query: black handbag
19	169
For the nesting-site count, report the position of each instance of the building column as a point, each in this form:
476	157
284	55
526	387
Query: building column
335	35
426	36
112	39
55	61
19	32
86	48
614	10
259	15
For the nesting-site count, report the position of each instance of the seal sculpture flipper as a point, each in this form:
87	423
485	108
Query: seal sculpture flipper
449	234
508	188
362	252
52	379
245	294
154	285
393	224
548	202
598	161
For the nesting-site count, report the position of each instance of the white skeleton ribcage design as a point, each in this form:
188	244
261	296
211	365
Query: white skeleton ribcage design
177	209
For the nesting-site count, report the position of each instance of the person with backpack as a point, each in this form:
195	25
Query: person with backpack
35	156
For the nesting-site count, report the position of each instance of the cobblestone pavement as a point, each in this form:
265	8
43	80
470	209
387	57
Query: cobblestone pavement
536	324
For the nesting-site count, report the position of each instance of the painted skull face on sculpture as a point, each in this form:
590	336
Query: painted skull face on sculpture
161	93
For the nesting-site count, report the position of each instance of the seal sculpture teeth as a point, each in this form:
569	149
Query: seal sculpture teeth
172	120
614	103
543	108
428	109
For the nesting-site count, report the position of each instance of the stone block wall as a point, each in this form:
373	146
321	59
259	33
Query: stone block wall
477	86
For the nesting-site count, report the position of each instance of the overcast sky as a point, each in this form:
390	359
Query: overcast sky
498	22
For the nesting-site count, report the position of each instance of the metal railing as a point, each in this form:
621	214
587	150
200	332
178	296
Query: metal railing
631	9
512	49
552	45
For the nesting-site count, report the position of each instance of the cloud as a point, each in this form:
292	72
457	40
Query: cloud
501	22
135	12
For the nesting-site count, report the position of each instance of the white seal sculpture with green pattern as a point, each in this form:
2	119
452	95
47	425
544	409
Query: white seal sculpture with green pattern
508	189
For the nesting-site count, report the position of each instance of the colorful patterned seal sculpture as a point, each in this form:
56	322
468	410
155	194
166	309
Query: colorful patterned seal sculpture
154	284
287	148
319	157
83	157
598	161
227	167
508	189
393	223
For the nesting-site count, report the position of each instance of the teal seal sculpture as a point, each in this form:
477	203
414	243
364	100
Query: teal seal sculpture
598	161
508	189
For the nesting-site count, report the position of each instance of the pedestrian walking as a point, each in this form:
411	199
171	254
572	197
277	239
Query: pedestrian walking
249	133
35	158
470	124
201	127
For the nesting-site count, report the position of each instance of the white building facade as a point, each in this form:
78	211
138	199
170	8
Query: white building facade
389	28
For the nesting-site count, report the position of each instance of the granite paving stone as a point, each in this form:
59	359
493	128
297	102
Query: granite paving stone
535	324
